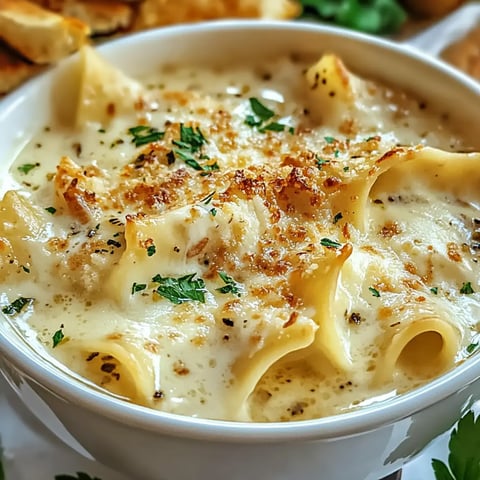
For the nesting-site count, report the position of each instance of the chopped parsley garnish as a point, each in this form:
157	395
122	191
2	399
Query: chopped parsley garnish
231	286
206	200
51	210
273	127
27	167
261	111
374	292
464	456
336	153
190	144
329	139
434	290
319	162
291	130
213	212
142	135
17	305
262	115
138	287
25	269
181	290
326	242
151	250
57	337
472	347
80	476
467	288
346	169
337	217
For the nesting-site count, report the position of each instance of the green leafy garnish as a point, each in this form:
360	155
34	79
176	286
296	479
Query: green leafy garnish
262	115
337	217
181	290
151	250
434	290
80	476
319	162
467	288
27	167
138	287
329	140
57	337
326	242
374	291
17	306
51	210
231	286
371	16
142	135
464	457
190	144
471	348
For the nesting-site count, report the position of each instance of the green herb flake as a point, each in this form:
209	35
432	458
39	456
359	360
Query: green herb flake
17	306
181	290
467	288
320	162
213	212
80	476
464	456
374	292
138	287
434	290
25	269
272	127
51	210
27	167
337	217
206	200
143	135
472	347
336	153
346	169
291	130
326	242
57	337
151	250
231	286
329	140
260	110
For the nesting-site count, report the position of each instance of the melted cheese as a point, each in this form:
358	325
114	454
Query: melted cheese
332	254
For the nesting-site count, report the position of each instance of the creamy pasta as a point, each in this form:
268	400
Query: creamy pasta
267	242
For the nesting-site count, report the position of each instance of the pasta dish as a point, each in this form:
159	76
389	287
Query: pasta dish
266	242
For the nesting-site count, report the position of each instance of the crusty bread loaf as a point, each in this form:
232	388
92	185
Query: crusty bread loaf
38	34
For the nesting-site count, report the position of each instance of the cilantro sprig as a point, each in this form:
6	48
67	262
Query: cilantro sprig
182	289
464	456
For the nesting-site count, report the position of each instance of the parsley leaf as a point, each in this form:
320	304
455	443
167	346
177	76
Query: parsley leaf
142	135
326	242
231	286
467	288
260	110
329	140
337	217
434	290
57	337
181	290
151	250
51	210
319	162
262	115
374	292
138	287
471	348
80	476
17	305
464	457
27	167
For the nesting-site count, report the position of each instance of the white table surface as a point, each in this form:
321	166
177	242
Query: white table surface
31	452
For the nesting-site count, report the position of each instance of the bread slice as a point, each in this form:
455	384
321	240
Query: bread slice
104	17
38	34
13	69
153	13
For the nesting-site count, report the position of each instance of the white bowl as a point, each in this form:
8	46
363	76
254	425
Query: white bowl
151	445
